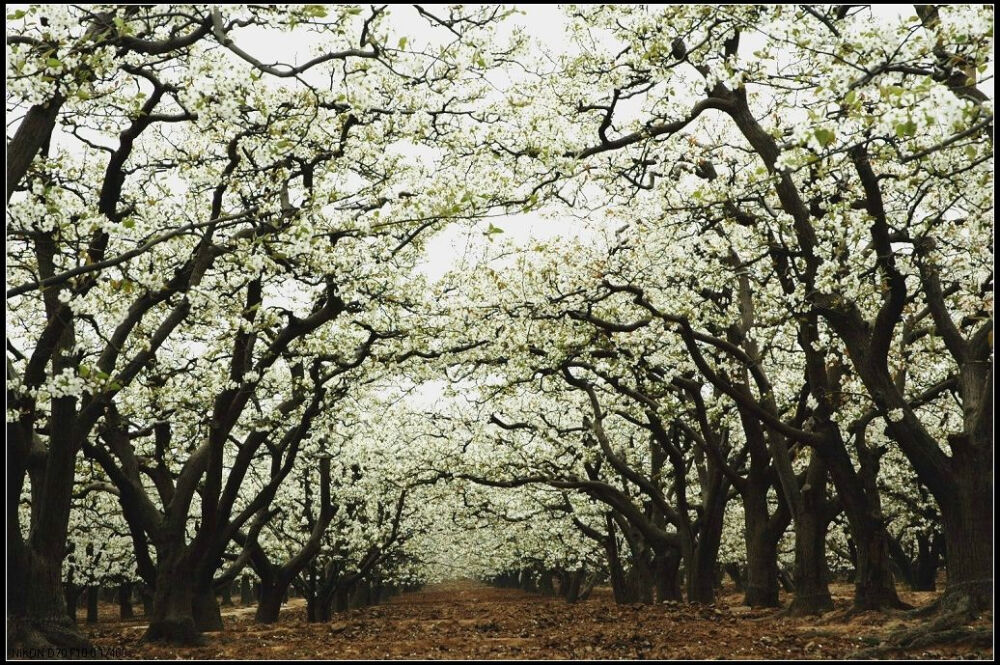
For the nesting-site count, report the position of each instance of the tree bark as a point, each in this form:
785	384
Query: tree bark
812	591
874	587
269	607
34	132
967	518
227	594
246	591
36	610
312	609
71	594
125	601
619	588
205	610
666	566
926	566
172	619
341	602
147	594
93	596
701	567
761	588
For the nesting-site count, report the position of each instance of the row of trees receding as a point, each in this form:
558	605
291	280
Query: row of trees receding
778	319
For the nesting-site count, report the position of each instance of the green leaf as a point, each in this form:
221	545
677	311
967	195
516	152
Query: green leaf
53	62
19	14
316	11
402	42
825	136
354	11
128	223
84	371
908	128
889	91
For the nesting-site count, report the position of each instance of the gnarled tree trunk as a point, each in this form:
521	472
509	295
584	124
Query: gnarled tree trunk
812	591
172	619
967	517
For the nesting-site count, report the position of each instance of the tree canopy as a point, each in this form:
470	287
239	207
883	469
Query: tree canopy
719	293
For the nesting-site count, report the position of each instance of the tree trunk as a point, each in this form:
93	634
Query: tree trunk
269	607
926	565
148	594
574	581
701	567
666	579
36	610
761	537
874	587
615	571
206	611
733	570
545	584
93	595
619	588
227	594
246	592
312	609
341	601
762	569
37	615
639	581
968	532
812	592
125	601
701	578
527	581
587	587
785	579
172	619
71	591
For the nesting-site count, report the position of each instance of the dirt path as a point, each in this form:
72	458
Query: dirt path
468	620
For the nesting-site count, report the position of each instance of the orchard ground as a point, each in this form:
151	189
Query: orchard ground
468	620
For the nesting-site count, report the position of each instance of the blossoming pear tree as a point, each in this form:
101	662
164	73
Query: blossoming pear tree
850	155
768	337
165	182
